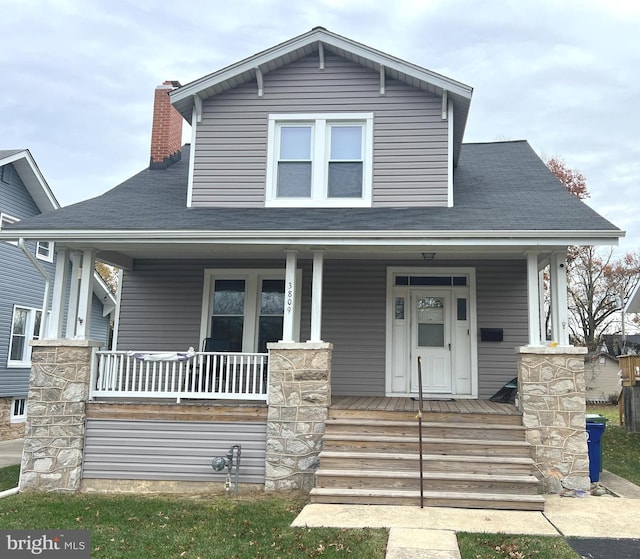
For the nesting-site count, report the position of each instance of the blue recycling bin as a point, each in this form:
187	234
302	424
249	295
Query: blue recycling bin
594	441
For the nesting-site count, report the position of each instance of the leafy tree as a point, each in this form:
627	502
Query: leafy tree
598	283
574	181
109	274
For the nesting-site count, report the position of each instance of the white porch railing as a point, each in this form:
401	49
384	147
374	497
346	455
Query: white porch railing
196	375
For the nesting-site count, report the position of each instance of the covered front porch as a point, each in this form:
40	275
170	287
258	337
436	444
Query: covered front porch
463	310
274	307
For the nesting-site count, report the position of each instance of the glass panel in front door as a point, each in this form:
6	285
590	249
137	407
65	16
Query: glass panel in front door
431	341
430	322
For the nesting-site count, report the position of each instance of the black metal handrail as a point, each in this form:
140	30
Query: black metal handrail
420	431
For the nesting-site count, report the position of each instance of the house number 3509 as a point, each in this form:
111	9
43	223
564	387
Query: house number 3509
289	297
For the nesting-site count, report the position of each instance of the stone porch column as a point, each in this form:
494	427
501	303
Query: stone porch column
54	431
299	400
551	391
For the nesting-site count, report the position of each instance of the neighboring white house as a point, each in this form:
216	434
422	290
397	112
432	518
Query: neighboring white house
601	377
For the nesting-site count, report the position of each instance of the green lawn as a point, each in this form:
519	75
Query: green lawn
499	546
621	450
9	477
207	527
258	526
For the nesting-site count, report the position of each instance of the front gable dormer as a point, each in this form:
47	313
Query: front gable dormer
323	121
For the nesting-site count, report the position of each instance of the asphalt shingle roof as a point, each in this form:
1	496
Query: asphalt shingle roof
498	186
9	152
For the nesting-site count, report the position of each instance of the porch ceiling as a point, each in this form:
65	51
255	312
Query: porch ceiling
123	254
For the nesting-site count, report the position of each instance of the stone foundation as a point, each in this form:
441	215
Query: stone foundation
299	400
9	431
551	394
54	431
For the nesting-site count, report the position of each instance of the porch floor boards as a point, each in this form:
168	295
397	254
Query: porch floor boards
382	403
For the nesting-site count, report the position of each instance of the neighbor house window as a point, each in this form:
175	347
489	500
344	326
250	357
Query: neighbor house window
245	309
44	251
6	173
18	410
6	219
25	326
320	160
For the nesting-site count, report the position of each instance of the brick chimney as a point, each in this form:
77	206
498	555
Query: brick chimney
166	132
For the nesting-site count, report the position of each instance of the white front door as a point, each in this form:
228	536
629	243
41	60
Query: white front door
431	340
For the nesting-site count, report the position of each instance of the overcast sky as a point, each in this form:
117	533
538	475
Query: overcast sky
78	76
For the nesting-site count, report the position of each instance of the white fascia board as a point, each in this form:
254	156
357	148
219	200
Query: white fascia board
334	238
33	179
337	41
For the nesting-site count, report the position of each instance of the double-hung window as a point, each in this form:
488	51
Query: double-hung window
18	410
44	251
244	309
321	160
25	327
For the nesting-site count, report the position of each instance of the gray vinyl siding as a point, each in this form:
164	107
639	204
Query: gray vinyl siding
410	136
162	300
99	330
20	283
171	450
353	319
502	303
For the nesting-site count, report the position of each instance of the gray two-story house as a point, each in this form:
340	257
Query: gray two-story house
26	284
325	253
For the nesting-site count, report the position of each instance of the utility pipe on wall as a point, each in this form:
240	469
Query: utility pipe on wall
44	323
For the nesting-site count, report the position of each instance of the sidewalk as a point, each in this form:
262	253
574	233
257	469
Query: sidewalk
10	452
430	532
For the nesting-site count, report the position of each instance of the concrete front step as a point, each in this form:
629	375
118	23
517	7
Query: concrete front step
431	498
458	430
382	443
432	481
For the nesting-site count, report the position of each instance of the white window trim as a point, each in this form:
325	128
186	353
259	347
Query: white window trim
320	123
252	310
18	418
26	361
49	257
6	219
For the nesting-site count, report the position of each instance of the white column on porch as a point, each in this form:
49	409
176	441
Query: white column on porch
290	295
559	304
543	315
534	299
72	311
58	303
316	296
85	295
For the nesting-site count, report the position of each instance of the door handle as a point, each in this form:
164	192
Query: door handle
449	347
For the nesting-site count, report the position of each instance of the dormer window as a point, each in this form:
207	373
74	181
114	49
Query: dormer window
320	160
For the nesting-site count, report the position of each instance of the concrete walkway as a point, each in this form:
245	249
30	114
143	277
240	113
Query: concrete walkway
429	533
11	452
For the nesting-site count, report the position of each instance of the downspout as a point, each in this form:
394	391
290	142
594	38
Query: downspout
44	323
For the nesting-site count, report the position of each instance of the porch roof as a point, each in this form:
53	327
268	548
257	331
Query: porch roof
503	196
